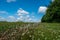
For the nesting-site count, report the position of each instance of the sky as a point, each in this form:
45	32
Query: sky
23	10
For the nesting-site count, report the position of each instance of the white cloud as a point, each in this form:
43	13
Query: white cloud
2	19
29	19
27	16
22	12
19	19
42	9
23	15
11	1
3	12
11	19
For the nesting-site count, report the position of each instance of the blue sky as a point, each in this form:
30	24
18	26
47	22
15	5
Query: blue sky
23	10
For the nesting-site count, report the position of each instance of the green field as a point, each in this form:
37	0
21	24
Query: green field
29	31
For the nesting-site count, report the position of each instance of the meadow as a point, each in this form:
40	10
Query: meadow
29	31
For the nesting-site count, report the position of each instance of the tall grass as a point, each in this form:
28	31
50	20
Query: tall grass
29	31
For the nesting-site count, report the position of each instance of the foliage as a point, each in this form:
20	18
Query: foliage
53	12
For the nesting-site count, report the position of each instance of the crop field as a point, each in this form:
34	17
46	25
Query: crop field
29	31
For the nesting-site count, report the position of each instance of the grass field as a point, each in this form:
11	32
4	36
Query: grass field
29	31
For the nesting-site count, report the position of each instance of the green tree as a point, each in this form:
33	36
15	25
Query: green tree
53	12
